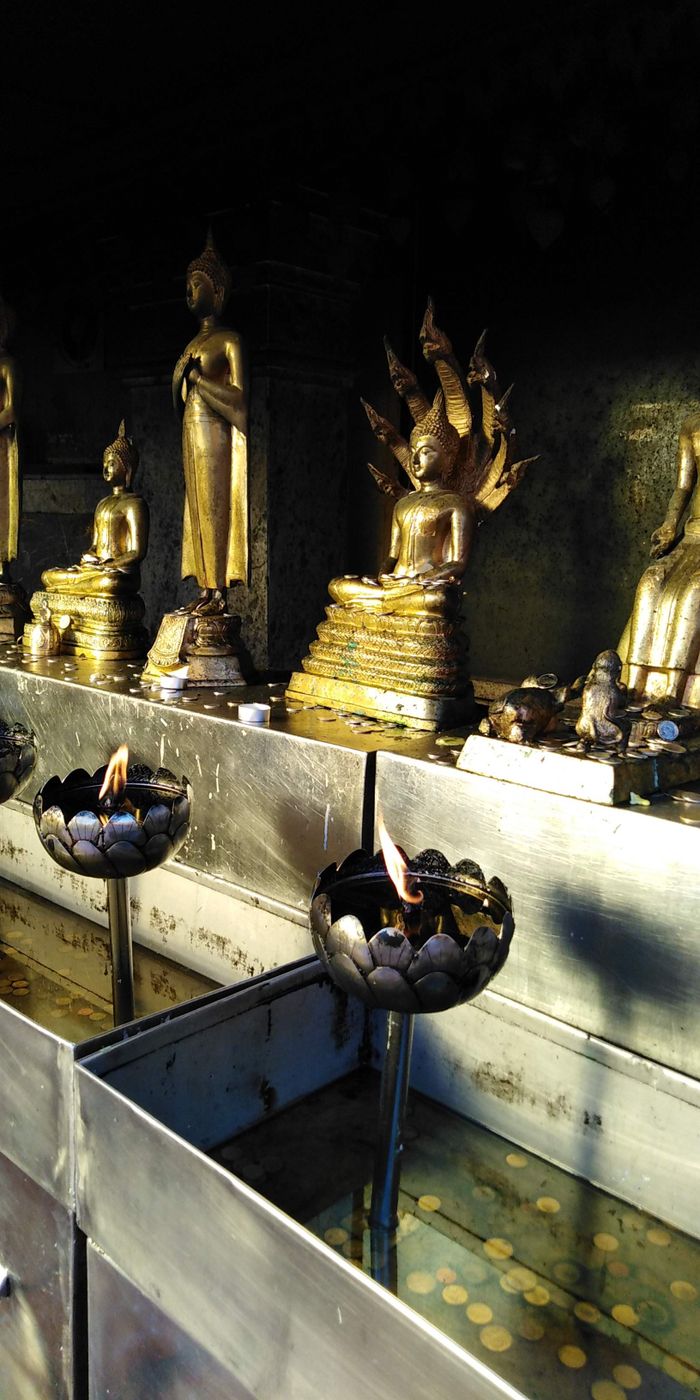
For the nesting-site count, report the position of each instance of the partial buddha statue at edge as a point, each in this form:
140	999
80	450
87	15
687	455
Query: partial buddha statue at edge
661	642
13	599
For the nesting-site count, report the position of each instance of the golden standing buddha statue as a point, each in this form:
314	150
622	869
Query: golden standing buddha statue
100	595
660	647
13	599
199	641
391	646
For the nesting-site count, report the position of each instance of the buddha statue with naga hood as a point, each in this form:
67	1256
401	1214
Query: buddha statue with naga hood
391	647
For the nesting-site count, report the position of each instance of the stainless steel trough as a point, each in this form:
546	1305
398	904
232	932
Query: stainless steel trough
54	1007
196	1278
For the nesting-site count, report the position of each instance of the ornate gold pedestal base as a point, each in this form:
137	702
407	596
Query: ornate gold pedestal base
14	611
415	711
104	629
576	774
196	650
653	684
410	669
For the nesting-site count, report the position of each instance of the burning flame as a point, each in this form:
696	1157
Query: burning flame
115	777
397	868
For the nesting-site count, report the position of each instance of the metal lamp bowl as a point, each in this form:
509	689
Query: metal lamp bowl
466	927
17	758
69	827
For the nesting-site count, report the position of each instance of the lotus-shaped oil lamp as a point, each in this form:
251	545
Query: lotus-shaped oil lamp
120	821
17	758
407	937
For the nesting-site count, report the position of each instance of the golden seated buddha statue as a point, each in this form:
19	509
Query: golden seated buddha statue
660	647
391	646
101	593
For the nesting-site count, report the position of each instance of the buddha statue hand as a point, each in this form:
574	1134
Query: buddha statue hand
663	539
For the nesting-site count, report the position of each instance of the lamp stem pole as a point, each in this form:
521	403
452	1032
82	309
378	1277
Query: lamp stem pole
119	915
392	1109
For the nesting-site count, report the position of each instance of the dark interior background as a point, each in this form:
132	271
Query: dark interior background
533	167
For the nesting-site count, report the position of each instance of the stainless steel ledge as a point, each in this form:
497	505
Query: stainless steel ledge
272	804
606	899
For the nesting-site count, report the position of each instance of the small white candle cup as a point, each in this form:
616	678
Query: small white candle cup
254	713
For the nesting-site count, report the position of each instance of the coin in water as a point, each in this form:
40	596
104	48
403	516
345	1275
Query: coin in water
19	991
429	1202
63	1001
335	1236
618	1268
479	1313
530	1328
607	1243
659	1237
573	1357
455	1294
607	1390
539	1296
651	713
496	1338
521	1278
625	1315
627	1376
497	1248
549	1205
586	1312
85	1011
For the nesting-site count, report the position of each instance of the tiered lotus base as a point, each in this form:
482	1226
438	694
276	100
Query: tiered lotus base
105	629
406	669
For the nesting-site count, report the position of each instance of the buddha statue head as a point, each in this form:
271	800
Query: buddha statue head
208	282
434	444
120	460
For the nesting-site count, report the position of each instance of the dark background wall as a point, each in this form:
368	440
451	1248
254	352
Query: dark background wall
533	167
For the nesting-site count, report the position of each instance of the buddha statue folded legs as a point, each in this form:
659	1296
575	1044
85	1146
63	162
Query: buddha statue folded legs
100	595
83	580
394	597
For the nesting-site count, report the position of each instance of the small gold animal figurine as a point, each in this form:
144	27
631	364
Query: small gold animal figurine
604	698
523	714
